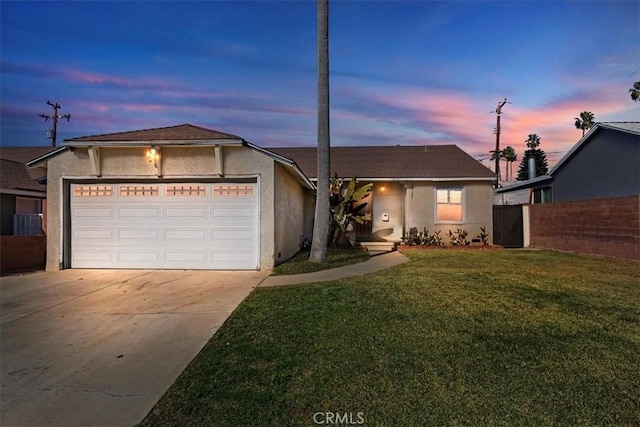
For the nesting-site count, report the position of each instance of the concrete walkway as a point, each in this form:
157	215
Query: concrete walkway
373	264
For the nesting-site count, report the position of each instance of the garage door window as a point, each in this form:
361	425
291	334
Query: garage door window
233	190
186	190
138	190
93	191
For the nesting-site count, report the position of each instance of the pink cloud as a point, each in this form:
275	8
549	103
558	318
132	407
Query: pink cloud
451	117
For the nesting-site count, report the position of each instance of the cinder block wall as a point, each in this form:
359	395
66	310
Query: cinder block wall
20	253
609	227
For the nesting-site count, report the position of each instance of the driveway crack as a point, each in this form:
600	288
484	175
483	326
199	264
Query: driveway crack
105	393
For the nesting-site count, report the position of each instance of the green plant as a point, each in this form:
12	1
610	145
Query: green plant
458	237
422	238
484	236
346	206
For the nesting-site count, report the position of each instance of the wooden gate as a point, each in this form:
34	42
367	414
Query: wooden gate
507	226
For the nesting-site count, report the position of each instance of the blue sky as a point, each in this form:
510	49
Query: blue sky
402	72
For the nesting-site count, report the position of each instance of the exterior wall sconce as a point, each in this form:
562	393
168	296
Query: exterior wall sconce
153	156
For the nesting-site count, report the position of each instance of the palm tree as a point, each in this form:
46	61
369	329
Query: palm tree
533	142
509	154
635	91
322	223
585	121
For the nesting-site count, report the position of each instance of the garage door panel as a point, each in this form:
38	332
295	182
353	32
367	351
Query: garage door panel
165	226
186	256
93	212
192	212
134	235
233	212
137	257
87	258
90	235
144	213
185	235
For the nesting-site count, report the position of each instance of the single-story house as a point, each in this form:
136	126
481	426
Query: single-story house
23	191
181	197
186	197
604	163
437	187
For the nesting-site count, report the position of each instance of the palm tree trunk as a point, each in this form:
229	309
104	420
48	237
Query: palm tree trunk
322	224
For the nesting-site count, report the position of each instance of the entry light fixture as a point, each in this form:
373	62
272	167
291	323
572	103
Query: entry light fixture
153	155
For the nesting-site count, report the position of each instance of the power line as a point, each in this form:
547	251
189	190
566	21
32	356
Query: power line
54	120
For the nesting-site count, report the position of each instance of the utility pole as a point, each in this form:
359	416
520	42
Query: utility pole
54	120
496	153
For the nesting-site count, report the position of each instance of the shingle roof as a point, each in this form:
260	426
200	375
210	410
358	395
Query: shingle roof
22	155
184	132
400	161
633	127
15	176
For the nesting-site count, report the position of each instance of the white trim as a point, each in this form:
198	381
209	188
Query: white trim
463	202
284	161
124	178
217	154
61	208
94	159
146	143
459	179
43	159
259	225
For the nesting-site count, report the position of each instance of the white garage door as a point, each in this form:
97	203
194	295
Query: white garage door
165	226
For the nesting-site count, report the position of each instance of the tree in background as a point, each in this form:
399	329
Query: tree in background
510	156
635	91
533	142
585	121
322	223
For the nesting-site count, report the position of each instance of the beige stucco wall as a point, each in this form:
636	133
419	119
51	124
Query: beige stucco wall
131	162
420	205
289	209
388	197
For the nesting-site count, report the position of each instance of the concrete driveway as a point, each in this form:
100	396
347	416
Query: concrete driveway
100	347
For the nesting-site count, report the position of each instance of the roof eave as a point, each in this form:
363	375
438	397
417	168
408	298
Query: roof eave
38	161
418	179
284	161
146	143
525	184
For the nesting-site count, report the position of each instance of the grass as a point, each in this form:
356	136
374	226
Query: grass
336	257
450	338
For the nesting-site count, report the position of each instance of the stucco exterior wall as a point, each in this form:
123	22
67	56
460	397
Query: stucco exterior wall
289	210
244	161
421	207
131	162
388	198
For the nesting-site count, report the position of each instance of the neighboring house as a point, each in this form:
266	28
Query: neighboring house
437	187
22	191
590	200
181	197
604	163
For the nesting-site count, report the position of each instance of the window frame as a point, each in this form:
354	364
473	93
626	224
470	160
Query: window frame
463	204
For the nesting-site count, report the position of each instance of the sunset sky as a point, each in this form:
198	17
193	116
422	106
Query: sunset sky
402	72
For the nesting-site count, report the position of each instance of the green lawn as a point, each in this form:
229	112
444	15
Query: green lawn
336	257
452	338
